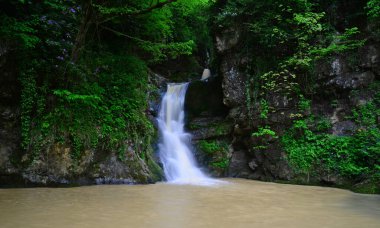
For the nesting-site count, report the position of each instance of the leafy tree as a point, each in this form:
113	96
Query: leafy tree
82	66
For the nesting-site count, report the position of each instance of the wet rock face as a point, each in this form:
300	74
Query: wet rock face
9	138
339	74
344	128
10	135
352	80
231	66
158	84
227	39
336	78
113	171
55	166
205	98
239	165
233	84
335	67
211	143
369	57
209	127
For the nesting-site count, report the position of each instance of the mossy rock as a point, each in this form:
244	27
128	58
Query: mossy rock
210	130
215	155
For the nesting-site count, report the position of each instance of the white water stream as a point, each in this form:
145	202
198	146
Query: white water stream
175	153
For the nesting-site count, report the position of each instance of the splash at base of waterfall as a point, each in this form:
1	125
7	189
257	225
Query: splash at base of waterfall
175	150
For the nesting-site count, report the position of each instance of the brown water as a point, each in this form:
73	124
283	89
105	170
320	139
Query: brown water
241	203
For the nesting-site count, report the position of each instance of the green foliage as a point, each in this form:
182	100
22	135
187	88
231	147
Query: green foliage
108	110
314	152
99	99
91	100
287	40
340	44
163	32
20	31
351	156
28	94
161	52
210	147
264	135
217	151
367	114
264	131
304	104
373	7
323	124
222	164
264	109
279	82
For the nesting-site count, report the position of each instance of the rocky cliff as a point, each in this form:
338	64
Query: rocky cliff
53	163
249	138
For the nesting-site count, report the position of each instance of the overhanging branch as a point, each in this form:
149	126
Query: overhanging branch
149	9
133	13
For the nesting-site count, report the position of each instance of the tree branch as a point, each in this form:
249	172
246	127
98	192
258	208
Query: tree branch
138	12
125	35
151	8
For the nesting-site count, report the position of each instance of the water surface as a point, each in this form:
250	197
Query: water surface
241	203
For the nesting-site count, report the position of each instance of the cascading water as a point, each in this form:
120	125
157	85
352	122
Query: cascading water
175	153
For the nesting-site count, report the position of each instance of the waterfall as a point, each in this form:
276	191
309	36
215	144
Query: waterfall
175	153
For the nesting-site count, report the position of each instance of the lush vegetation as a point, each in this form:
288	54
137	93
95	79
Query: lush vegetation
217	153
83	67
83	70
314	151
284	41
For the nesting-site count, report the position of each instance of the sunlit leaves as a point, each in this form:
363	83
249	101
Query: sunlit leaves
373	7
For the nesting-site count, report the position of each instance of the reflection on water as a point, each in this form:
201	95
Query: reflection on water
241	203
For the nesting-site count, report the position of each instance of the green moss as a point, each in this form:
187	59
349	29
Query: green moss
222	164
193	126
216	129
156	170
217	153
223	128
210	147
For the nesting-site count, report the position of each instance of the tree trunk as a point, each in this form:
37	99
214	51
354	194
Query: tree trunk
82	32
